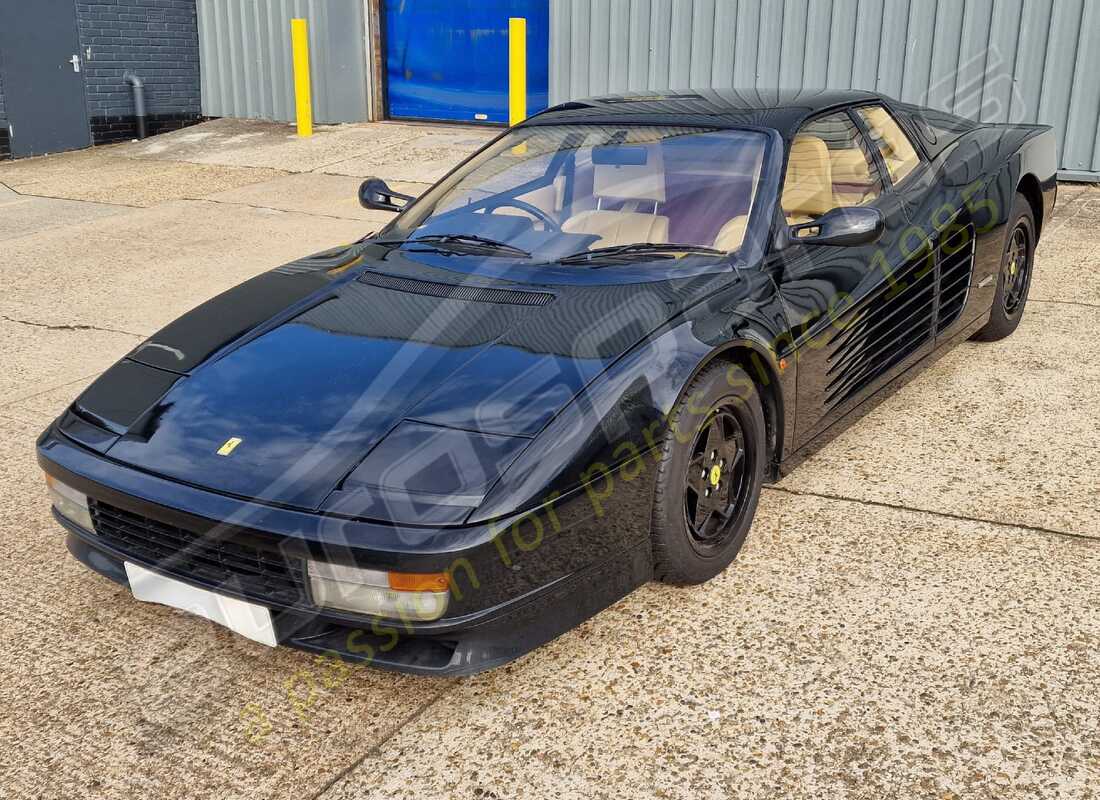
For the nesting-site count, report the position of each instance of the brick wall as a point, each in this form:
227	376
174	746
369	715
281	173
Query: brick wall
159	41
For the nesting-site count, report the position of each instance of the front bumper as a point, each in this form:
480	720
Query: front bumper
509	593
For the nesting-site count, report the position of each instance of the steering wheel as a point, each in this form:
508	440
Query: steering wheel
534	211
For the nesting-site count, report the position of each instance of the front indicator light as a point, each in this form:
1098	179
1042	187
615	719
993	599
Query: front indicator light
418	581
395	595
70	503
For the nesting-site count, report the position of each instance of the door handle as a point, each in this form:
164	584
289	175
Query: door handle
75	61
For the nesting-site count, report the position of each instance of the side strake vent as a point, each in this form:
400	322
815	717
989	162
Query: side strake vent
474	294
956	275
891	325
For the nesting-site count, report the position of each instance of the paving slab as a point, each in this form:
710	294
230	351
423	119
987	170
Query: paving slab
851	652
1067	267
37	358
1068	257
314	193
45	405
256	143
24	171
131	182
138	271
262	144
107	697
422	159
21	215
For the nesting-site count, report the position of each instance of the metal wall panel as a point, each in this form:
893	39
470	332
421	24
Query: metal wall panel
244	52
994	60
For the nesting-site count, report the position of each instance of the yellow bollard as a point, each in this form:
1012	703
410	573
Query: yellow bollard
517	70
517	76
299	40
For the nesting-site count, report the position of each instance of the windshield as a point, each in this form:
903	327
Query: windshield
554	191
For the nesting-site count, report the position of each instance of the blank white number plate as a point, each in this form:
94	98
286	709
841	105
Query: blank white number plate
247	619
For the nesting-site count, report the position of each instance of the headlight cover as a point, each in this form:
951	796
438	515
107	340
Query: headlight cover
70	503
426	474
395	595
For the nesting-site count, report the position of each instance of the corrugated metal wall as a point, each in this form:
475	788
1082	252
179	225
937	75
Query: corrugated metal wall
997	60
244	50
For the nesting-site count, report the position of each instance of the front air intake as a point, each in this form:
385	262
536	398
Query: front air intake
207	558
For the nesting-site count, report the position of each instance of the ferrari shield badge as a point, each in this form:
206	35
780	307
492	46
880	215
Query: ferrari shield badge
229	446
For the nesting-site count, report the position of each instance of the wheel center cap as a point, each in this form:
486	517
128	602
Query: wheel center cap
715	475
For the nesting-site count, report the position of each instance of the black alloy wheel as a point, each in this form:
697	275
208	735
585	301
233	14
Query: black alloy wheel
717	482
710	470
1017	269
1014	279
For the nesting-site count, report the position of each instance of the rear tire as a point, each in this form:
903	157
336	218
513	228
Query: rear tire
1014	278
709	477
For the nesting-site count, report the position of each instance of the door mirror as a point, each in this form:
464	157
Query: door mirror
846	227
374	193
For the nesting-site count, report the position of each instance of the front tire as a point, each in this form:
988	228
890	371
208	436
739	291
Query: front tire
709	477
1014	278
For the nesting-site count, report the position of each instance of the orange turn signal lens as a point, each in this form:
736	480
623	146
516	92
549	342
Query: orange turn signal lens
418	581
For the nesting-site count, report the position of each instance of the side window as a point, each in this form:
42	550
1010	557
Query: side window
897	151
829	167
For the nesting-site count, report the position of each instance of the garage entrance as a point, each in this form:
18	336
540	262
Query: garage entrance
448	59
43	86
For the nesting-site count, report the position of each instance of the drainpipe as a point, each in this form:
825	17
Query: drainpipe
138	89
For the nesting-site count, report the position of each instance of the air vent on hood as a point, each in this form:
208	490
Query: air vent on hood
474	294
334	260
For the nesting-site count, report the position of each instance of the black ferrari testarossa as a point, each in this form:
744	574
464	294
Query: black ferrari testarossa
564	370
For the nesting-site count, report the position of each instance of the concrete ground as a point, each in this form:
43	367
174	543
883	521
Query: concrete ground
916	613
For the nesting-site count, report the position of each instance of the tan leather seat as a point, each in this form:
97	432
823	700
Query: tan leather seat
808	189
732	234
619	227
849	165
896	149
634	185
853	184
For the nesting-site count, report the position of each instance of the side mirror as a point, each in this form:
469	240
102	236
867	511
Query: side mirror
844	227
374	193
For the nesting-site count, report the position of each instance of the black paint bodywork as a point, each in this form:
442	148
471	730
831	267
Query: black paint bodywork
565	374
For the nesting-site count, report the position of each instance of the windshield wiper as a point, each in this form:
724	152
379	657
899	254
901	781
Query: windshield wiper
468	240
638	248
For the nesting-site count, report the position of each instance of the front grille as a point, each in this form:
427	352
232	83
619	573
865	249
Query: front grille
206	558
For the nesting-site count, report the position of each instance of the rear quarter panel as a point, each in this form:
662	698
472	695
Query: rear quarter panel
975	181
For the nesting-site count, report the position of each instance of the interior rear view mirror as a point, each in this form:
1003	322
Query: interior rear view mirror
619	155
842	227
374	193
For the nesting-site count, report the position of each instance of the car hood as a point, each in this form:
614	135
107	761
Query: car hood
280	388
